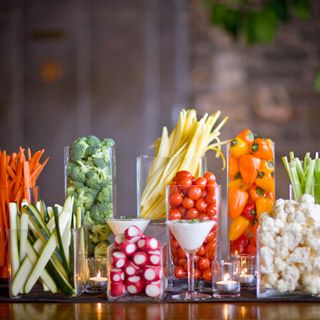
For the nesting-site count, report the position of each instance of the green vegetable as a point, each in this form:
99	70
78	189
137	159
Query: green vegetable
100	250
304	175
100	232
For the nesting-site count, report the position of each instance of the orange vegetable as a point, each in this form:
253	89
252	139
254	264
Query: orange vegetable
236	201
256	193
237	227
233	168
267	166
265	181
239	183
246	135
238	147
264	205
249	166
262	148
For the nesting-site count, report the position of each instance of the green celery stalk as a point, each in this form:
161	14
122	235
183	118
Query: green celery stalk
299	169
317	181
310	177
297	191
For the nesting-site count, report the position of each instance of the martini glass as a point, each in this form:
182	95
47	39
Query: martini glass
190	234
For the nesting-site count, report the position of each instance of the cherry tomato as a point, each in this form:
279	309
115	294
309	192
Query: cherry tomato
174	214
210	236
201	205
192	214
182	210
201	251
210	197
174	188
184	183
182	261
211	189
211	210
211	250
203	264
197	274
207	275
179	272
183	174
174	243
211	178
175	199
203	217
188	203
181	253
194	192
200	182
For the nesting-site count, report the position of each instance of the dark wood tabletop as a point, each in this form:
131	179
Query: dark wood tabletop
160	311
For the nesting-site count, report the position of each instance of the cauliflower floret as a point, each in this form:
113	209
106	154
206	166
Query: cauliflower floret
266	259
311	283
267	239
291	277
269	281
307	199
300	257
312	239
291	206
316	264
298	217
278	208
281	249
292	235
279	264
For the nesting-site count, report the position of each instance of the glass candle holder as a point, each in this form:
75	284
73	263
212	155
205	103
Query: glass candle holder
226	278
248	270
97	279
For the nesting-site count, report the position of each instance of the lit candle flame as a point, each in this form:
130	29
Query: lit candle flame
99	275
244	271
226	277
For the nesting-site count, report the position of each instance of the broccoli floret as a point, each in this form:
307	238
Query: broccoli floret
107	142
100	232
100	163
78	149
100	250
84	198
97	178
93	141
105	195
87	221
76	172
101	212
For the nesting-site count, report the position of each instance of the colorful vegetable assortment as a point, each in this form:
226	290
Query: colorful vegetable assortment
192	198
181	150
251	188
90	182
18	174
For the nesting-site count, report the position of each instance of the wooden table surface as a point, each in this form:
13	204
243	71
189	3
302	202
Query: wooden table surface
161	311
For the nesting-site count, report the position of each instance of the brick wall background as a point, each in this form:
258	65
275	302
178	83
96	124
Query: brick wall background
266	88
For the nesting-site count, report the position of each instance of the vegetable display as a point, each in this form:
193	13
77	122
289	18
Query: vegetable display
18	178
304	175
90	172
41	248
135	265
181	150
191	198
251	188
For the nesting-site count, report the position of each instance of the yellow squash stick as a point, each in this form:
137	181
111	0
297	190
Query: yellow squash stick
181	150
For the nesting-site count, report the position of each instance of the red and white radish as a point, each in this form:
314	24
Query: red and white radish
148	244
117	289
134	285
153	289
133	233
140	258
128	247
131	269
119	259
116	275
119	239
151	273
153	258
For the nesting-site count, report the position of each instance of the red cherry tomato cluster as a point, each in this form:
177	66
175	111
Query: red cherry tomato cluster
194	198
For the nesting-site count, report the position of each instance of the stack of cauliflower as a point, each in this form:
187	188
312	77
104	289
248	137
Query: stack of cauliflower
290	246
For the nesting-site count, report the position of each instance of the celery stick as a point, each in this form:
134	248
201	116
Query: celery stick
295	182
291	155
299	168
310	177
317	181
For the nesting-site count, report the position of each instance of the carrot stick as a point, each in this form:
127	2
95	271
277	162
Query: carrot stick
37	172
29	154
36	158
11	173
26	180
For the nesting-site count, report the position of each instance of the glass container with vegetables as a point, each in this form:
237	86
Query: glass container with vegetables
89	177
251	188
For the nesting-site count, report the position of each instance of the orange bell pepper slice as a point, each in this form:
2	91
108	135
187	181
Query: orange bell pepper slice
246	135
267	166
264	205
237	227
233	168
238	147
237	200
249	166
262	148
265	181
256	193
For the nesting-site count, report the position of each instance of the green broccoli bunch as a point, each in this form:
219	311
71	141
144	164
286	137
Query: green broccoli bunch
89	178
100	250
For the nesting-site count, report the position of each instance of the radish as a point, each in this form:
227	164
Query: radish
117	289
140	258
153	258
133	233
118	259
151	273
128	247
148	243
134	285
153	289
131	269
116	275
119	239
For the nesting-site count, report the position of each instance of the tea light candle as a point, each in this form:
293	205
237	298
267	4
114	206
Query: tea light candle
246	278
98	281
226	284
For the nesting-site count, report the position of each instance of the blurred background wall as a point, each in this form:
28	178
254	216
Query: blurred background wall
123	69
